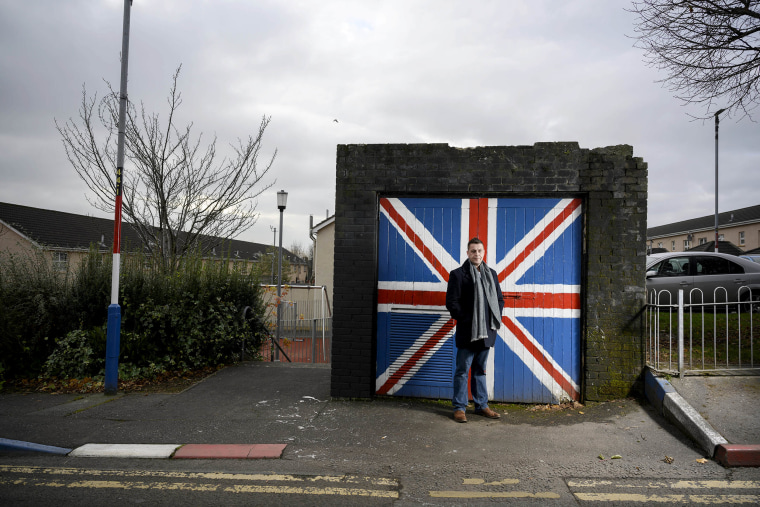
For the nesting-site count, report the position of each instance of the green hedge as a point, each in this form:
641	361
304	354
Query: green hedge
54	324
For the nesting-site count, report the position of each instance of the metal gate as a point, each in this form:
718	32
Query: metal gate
535	247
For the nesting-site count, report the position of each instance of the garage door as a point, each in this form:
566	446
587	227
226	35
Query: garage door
535	247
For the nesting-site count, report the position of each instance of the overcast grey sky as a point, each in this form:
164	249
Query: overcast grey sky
395	71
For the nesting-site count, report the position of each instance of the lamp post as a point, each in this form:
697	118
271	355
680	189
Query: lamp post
274	244
717	122
282	201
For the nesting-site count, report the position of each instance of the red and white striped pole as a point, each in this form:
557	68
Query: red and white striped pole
113	334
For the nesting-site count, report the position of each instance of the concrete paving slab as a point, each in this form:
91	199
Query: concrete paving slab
730	403
156	451
76	405
230	451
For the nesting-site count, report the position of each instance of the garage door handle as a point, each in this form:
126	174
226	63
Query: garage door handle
517	295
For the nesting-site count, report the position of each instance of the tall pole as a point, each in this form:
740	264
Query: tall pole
274	244
282	199
113	327
717	122
279	287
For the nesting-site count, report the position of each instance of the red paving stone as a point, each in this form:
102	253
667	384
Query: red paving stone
737	455
230	451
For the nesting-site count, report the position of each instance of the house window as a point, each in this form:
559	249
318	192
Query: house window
60	261
720	237
686	244
673	245
741	238
659	244
702	241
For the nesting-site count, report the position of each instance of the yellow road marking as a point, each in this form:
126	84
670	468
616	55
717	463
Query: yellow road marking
351	479
189	486
494	494
645	484
483	482
685	499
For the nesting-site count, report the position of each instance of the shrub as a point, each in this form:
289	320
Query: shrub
79	354
191	318
35	306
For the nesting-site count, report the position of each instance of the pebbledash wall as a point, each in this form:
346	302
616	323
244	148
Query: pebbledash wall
613	186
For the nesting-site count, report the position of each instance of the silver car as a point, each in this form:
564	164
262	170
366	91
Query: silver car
705	277
752	257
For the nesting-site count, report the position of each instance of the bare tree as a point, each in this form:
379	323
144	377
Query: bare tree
296	248
710	50
176	193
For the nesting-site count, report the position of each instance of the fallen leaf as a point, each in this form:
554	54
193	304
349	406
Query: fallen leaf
668	460
601	457
617	456
702	460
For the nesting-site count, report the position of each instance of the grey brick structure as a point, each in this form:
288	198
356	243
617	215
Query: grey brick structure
613	186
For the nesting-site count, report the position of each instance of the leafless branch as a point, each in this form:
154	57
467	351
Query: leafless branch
709	50
175	191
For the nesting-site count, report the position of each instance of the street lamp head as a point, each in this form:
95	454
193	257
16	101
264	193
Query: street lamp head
282	199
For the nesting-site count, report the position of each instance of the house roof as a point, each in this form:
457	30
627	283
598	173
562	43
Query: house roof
324	223
725	247
706	223
57	230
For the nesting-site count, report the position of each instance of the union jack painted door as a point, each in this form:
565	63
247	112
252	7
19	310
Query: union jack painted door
535	247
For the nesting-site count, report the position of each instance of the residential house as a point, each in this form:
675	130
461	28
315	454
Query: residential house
68	237
740	227
323	235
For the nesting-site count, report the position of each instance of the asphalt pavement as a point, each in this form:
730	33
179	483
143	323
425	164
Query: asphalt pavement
283	414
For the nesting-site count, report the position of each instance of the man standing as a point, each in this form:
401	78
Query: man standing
475	301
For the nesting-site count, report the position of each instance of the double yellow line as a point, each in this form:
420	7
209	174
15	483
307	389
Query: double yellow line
180	481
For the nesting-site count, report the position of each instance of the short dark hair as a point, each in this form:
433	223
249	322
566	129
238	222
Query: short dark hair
475	241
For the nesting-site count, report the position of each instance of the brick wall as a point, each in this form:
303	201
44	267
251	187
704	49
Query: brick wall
613	185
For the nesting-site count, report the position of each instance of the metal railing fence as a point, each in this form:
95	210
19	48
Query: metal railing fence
702	338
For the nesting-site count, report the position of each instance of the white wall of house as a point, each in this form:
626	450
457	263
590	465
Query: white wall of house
746	236
324	255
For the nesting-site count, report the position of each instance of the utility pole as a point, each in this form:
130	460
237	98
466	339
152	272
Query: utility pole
717	122
113	326
274	245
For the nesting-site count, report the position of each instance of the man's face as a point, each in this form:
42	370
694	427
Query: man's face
475	253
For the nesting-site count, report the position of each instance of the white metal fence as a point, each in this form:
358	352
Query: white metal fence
702	338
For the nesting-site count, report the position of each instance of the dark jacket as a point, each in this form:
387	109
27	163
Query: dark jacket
460	298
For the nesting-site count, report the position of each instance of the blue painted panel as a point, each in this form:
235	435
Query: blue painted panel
537	359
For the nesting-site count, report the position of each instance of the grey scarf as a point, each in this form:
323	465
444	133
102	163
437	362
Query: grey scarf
485	293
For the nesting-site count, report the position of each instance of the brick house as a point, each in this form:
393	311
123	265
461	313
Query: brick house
739	227
67	238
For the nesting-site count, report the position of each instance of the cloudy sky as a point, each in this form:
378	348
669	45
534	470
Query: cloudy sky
395	71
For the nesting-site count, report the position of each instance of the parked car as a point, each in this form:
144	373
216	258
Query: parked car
753	258
705	277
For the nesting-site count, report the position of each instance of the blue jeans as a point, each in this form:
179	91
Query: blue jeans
466	359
